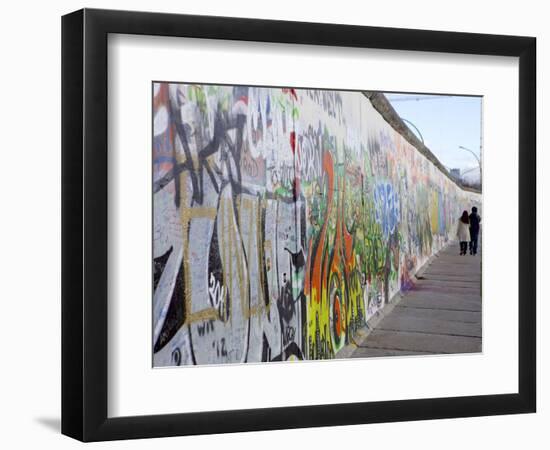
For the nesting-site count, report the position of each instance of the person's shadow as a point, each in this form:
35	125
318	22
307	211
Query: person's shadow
53	423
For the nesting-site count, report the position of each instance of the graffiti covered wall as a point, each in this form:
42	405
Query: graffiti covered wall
283	220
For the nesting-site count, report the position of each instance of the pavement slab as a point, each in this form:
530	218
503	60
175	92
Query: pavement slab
442	314
443	302
397	322
422	342
369	352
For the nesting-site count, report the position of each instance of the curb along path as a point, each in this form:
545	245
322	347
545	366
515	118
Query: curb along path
440	314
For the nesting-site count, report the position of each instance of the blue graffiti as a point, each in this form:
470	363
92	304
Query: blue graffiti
441	213
387	207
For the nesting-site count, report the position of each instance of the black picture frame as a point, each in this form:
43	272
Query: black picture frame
84	224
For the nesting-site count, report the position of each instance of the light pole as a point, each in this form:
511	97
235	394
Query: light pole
478	159
415	127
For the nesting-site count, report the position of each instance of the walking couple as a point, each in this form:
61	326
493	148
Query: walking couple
468	231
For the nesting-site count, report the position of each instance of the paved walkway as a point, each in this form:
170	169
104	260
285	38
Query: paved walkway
441	314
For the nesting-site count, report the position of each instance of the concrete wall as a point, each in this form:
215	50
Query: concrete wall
283	220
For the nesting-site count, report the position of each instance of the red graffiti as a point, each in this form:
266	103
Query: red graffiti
290	91
314	278
293	141
324	262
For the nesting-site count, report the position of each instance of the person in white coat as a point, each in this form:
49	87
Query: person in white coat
463	232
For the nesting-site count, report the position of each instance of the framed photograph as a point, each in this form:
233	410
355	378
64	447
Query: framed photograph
272	224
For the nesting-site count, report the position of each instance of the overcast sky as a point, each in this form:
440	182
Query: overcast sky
445	122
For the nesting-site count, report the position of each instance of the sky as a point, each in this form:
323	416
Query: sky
445	122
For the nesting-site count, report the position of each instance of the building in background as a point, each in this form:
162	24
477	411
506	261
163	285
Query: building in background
455	173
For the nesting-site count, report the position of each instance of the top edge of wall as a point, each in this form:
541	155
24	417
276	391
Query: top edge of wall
384	107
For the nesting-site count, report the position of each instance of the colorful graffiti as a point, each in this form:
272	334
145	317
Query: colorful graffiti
283	220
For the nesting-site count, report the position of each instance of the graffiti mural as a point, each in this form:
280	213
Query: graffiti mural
283	220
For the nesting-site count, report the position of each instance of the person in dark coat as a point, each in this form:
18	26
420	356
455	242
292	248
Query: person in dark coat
475	220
